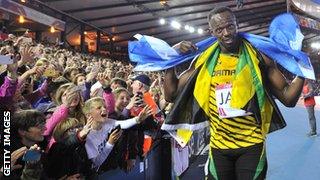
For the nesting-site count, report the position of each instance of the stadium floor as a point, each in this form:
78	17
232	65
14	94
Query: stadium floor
291	154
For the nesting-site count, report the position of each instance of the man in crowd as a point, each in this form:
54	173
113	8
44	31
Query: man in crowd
309	103
230	87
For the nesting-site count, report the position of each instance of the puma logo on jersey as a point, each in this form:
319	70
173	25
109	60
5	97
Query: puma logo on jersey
224	72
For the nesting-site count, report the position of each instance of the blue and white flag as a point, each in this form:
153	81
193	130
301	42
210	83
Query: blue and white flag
283	46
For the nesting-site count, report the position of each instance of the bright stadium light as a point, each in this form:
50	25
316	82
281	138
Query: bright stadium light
21	19
315	45
162	21
191	29
175	24
187	27
52	29
200	31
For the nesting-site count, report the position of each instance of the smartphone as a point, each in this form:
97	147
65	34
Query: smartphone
6	59
116	129
140	95
32	155
147	98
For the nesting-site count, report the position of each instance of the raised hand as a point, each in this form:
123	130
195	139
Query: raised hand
39	70
72	98
12	68
86	129
15	156
135	101
144	114
104	79
26	54
91	76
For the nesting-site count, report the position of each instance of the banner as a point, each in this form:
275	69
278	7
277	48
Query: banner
18	9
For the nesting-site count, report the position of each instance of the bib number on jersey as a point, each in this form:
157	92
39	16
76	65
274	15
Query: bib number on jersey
223	97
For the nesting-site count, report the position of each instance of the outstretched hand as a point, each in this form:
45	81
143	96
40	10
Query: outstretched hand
145	113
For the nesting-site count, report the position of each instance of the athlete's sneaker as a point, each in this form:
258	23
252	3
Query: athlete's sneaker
312	134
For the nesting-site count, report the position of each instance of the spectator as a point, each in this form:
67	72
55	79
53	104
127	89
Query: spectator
67	155
101	139
27	130
309	103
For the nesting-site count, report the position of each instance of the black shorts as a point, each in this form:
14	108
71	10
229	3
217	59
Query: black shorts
238	164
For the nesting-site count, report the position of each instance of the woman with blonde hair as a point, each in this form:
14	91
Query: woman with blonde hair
70	105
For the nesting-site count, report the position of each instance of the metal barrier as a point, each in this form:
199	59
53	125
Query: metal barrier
155	166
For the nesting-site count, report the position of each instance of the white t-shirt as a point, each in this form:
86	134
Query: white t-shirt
97	145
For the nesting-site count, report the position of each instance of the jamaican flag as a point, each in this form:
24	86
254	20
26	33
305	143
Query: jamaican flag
191	109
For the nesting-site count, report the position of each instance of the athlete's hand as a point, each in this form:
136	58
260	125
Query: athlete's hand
185	46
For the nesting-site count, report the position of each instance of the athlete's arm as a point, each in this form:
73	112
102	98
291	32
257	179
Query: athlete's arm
288	94
173	84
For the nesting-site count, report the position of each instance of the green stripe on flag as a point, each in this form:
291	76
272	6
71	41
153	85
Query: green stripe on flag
212	168
256	82
261	165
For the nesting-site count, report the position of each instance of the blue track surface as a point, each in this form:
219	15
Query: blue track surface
291	154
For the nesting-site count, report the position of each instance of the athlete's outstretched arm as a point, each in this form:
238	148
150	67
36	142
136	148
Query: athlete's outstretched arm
173	84
288	94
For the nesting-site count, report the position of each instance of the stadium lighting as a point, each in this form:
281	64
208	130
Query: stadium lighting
162	21
21	19
175	24
23	1
187	27
315	45
52	30
85	33
191	29
200	31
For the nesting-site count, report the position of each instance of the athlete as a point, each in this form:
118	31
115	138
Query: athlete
230	87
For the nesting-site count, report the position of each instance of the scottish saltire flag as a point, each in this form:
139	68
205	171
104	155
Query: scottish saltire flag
283	46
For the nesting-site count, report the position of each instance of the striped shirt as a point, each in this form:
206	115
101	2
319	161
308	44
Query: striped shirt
230	133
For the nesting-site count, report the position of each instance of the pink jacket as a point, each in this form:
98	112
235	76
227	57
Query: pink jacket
7	90
109	101
60	114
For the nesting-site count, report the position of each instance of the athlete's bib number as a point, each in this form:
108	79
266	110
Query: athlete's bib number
223	97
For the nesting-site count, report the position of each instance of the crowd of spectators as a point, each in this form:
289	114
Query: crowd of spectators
78	115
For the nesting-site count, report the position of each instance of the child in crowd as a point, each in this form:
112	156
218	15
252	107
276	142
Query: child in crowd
101	139
70	105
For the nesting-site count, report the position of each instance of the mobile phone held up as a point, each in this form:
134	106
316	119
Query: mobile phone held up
116	129
140	96
32	155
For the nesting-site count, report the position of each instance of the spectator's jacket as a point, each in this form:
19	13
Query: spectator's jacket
309	95
7	91
59	114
